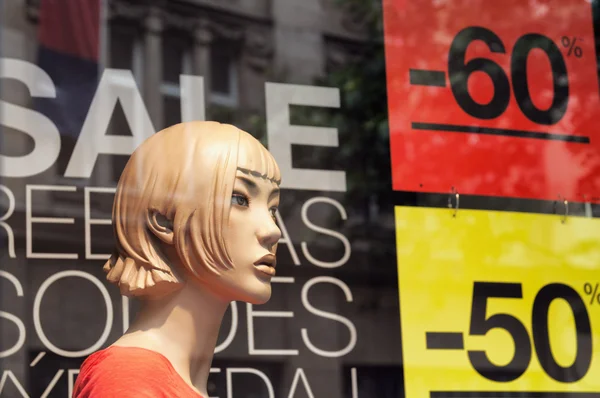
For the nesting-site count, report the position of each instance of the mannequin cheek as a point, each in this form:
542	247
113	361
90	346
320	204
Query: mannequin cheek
238	253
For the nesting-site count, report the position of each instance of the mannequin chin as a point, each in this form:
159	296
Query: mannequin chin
194	219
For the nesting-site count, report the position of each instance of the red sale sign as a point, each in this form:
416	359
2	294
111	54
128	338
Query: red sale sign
497	98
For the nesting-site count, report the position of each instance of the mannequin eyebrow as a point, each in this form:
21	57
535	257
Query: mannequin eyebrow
253	187
256	174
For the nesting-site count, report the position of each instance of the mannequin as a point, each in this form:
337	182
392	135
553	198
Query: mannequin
194	222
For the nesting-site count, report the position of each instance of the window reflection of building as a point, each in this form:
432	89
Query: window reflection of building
223	99
160	44
176	60
224	78
178	52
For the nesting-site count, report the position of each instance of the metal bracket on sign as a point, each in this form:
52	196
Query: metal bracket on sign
563	219
457	196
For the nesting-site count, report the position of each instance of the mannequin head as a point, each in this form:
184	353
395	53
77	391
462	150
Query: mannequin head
195	204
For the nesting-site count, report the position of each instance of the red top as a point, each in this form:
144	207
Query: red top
130	372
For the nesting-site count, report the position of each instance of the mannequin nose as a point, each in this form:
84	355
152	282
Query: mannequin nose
269	233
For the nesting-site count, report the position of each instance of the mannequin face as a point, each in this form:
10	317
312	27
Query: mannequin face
251	235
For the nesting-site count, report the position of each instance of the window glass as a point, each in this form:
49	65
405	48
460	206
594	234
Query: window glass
440	166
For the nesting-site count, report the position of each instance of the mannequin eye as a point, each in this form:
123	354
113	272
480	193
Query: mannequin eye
273	211
239	199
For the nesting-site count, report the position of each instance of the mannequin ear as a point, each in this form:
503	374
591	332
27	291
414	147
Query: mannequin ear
160	226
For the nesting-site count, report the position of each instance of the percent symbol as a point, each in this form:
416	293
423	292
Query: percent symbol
570	43
592	292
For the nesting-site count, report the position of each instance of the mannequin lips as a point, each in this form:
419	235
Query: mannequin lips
267	264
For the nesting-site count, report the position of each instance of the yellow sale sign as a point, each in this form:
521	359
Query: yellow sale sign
498	304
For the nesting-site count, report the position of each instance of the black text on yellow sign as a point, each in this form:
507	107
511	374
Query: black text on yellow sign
498	303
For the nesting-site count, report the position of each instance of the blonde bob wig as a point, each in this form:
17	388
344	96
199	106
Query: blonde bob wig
186	174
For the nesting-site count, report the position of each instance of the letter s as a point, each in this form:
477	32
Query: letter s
44	132
325	231
12	318
328	315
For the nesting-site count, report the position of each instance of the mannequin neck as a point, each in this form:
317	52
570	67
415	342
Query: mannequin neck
183	327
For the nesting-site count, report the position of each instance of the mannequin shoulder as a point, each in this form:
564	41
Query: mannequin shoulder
118	360
123	372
